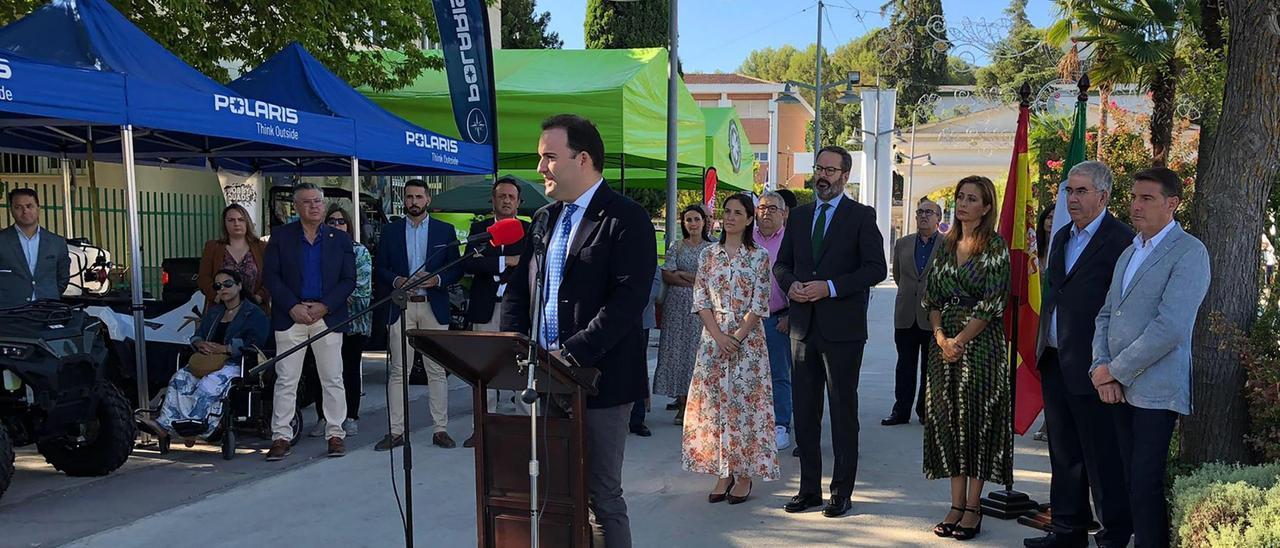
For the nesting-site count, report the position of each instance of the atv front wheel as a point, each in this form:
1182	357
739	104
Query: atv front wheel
6	460
111	436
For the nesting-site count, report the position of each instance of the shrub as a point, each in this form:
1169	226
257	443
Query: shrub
1223	505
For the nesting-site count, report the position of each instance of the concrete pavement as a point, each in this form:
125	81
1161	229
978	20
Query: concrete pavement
349	501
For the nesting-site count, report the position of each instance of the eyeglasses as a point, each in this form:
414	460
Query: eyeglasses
768	208
1080	192
336	222
313	202
828	171
227	284
922	212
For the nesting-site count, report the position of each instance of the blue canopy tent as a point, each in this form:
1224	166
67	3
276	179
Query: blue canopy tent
385	144
184	118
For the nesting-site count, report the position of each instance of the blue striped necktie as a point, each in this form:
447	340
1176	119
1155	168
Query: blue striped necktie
559	251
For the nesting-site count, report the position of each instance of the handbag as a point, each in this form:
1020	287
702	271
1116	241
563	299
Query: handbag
203	364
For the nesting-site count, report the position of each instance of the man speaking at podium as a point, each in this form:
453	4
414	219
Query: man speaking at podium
600	261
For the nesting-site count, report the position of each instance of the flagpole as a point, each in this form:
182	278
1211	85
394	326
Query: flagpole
1008	503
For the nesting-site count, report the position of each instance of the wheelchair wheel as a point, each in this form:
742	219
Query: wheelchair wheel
296	426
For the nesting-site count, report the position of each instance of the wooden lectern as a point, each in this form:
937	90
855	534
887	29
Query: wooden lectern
492	361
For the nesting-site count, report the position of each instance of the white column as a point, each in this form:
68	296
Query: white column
877	168
771	183
69	230
355	198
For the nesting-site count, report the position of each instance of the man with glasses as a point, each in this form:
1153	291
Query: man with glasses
310	270
831	256
771	215
1084	452
912	257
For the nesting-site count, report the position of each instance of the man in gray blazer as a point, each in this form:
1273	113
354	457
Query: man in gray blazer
34	263
1142	344
912	257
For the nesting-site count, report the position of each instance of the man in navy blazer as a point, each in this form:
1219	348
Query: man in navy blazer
411	248
1084	453
310	270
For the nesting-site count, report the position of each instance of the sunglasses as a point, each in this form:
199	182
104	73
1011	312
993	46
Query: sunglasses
336	222
227	284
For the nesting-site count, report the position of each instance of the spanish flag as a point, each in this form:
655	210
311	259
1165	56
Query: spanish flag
1022	316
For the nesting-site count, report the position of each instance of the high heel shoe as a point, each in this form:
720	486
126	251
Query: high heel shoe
969	533
944	529
734	499
718	497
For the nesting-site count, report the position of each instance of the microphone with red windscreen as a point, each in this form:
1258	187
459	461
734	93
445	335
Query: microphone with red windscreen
504	232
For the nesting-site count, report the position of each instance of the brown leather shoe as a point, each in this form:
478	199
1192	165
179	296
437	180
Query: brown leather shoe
389	442
279	450
336	447
442	439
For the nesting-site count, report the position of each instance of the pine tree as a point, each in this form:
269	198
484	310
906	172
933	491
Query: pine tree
524	28
614	25
912	64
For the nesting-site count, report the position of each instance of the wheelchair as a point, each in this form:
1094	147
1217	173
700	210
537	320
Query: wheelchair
246	406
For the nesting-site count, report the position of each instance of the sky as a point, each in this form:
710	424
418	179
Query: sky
716	35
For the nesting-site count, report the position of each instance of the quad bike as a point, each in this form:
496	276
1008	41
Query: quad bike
55	392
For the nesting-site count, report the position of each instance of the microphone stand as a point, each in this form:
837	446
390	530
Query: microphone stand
530	394
400	297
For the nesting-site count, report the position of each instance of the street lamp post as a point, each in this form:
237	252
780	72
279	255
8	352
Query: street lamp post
906	192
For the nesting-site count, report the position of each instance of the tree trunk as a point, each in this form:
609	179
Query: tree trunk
1104	97
1231	198
1163	92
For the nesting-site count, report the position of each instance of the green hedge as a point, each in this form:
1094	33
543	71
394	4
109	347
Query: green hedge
1221	506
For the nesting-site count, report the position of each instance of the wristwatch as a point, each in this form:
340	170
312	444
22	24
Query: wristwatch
568	358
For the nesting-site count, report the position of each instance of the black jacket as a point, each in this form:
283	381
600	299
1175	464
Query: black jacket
606	281
1078	295
852	257
484	290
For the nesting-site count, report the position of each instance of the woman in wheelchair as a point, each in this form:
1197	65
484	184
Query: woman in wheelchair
230	327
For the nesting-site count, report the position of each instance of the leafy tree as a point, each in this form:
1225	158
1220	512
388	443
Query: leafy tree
1020	58
916	70
612	25
524	28
212	36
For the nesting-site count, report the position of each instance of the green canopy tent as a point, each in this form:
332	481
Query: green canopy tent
477	198
728	150
623	91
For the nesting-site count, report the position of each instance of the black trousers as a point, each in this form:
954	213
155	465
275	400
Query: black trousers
637	410
834	367
913	355
352	348
1084	456
1144	436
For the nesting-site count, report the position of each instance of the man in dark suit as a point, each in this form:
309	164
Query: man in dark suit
831	257
492	269
410	249
34	263
912	257
1084	453
599	266
310	270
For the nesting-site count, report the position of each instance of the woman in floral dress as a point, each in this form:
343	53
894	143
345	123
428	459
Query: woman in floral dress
967	436
729	423
680	331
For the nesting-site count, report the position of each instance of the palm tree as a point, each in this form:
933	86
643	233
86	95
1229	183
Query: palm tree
1071	67
1136	42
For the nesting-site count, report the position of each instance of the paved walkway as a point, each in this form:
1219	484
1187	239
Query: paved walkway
349	502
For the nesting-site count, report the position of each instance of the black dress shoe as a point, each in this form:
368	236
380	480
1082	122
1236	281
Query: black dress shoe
795	452
802	502
837	507
641	430
1054	540
470	442
894	420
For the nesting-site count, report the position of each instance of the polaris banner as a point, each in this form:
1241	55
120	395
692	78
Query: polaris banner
468	63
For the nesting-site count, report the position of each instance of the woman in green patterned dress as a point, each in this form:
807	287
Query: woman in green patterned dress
967	436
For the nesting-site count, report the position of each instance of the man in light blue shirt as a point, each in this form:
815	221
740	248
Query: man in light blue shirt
34	263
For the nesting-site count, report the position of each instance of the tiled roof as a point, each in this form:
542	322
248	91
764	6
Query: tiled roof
720	78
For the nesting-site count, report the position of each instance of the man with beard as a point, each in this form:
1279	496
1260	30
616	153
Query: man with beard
410	249
34	263
831	256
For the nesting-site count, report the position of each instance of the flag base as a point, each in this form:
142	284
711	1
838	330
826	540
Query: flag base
1008	504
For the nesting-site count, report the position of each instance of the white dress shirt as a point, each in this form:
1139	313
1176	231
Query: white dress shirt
1142	250
1076	243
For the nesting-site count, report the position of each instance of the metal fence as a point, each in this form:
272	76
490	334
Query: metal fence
172	224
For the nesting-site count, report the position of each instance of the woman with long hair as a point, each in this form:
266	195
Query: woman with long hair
729	422
681	330
229	329
238	249
967	435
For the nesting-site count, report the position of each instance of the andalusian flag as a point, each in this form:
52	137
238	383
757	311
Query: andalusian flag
1022	317
1075	155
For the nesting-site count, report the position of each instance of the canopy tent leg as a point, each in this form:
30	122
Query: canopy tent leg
68	230
135	267
355	199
